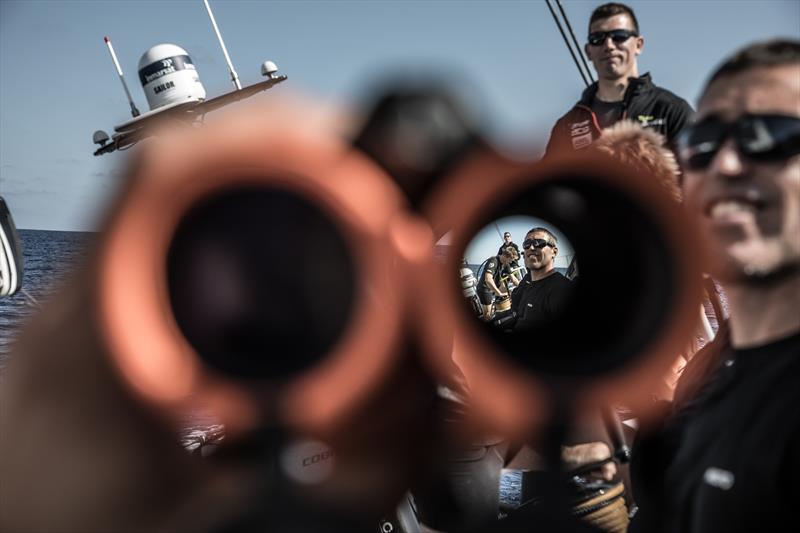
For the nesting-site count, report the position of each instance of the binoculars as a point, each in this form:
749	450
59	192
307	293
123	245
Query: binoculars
288	280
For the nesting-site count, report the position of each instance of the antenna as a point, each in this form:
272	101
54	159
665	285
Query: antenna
234	76
134	111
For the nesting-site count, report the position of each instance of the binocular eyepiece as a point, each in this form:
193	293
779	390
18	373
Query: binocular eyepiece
260	282
253	270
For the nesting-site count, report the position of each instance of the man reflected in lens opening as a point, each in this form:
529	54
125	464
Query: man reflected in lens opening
543	294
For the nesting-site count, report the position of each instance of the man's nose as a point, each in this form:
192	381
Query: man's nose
727	161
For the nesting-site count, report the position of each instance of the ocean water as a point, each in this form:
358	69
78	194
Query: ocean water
49	256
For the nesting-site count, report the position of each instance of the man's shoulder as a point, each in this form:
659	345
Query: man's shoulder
699	371
557	278
577	112
659	94
670	97
660	109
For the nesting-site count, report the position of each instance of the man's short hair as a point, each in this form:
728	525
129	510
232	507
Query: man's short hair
550	237
609	10
772	53
506	234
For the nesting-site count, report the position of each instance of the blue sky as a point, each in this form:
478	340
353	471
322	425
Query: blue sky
58	85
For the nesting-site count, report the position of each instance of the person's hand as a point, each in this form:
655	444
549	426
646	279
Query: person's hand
580	455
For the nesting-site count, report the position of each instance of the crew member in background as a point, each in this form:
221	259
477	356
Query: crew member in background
489	283
614	43
728	457
506	243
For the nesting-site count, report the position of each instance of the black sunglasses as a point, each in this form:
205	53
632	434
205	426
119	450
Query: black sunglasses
536	243
596	38
761	138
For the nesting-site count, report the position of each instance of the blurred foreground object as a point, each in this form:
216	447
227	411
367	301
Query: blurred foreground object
198	297
340	386
727	457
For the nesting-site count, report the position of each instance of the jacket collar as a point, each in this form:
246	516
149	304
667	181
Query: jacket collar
635	86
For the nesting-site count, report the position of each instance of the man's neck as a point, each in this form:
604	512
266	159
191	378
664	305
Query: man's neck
613	90
761	314
537	275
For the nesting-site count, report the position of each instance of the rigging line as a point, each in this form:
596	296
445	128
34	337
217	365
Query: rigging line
575	40
566	42
498	230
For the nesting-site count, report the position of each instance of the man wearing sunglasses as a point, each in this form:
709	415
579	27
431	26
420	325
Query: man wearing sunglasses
728	457
613	45
507	242
543	293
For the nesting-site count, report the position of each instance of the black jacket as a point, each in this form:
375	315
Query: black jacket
727	458
538	303
644	103
512	244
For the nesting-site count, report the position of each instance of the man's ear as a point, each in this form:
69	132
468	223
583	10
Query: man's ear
587	49
639	45
555	251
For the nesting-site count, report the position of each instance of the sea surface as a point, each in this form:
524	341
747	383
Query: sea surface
49	256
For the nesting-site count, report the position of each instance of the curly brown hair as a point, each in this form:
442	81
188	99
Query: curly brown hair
643	150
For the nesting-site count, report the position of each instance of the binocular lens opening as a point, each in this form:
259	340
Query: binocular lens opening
622	288
261	282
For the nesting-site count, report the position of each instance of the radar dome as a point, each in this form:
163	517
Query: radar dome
168	76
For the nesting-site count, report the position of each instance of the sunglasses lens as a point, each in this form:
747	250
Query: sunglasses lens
698	144
596	39
536	243
620	36
769	137
699	161
762	138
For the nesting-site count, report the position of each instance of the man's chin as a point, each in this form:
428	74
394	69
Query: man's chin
752	271
613	72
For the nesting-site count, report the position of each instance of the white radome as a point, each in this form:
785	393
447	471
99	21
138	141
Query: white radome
168	76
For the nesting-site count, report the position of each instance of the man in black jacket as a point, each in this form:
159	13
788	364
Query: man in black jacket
727	458
614	43
507	242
